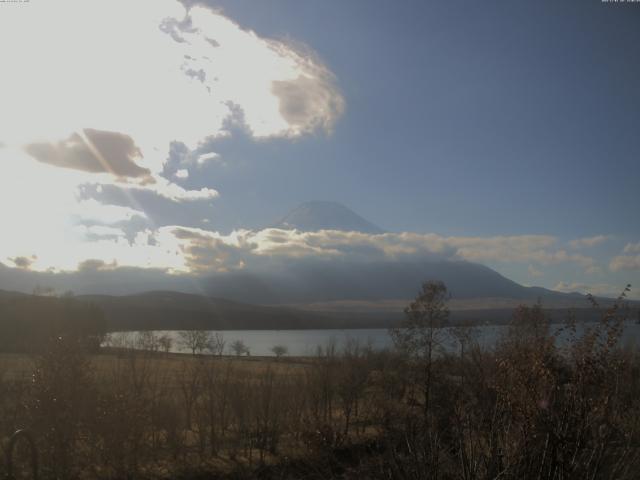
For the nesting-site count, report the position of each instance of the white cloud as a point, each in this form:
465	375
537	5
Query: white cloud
94	211
630	260
207	157
534	272
275	243
594	270
90	231
600	289
100	100
84	76
589	241
632	248
182	173
625	262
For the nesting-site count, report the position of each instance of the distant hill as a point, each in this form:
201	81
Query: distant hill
324	215
164	310
4	294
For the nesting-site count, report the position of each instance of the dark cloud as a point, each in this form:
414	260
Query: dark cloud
23	262
104	151
94	265
160	211
204	253
308	103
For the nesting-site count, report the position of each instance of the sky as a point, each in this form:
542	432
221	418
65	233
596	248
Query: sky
169	136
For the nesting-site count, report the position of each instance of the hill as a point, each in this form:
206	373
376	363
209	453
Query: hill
165	310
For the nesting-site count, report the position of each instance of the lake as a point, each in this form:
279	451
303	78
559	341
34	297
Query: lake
305	342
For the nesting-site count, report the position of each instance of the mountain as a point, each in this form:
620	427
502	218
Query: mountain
313	281
308	280
292	292
323	215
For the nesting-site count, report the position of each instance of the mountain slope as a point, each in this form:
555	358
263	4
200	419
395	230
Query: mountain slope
327	281
323	215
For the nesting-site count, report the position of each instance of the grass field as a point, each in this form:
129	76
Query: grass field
20	366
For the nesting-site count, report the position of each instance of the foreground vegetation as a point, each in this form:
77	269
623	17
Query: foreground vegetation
529	408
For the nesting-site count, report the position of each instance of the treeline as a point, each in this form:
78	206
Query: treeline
27	322
529	408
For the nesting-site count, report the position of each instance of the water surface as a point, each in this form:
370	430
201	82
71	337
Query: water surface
306	342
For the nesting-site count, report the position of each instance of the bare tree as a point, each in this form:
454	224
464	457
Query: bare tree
148	341
217	344
195	340
420	334
279	350
239	348
122	340
165	342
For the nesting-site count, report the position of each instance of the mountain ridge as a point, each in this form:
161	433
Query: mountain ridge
318	215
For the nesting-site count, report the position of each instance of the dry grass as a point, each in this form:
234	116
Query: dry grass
526	409
16	366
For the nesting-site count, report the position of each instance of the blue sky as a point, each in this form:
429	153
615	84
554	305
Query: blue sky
478	122
462	118
465	118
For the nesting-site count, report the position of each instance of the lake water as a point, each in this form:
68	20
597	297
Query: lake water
305	342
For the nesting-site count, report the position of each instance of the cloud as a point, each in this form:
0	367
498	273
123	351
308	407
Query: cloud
119	83
520	248
625	262
308	104
178	249
88	108
23	262
588	242
172	191
533	272
95	265
104	111
176	253
594	270
207	157
630	260
206	249
91	210
93	151
632	248
210	252
600	289
95	232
